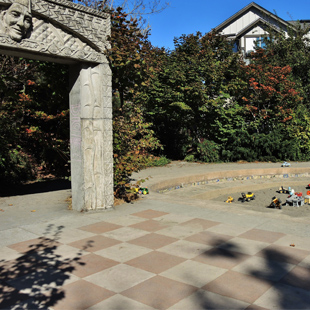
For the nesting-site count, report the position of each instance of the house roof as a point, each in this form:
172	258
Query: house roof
247	8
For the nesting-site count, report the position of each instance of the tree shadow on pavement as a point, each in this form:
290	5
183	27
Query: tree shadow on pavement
35	279
289	283
34	188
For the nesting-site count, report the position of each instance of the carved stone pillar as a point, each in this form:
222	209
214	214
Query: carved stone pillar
91	137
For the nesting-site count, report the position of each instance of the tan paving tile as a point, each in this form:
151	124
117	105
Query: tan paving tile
153	241
81	295
281	296
284	254
172	218
210	238
155	262
71	235
245	246
193	273
301	243
150	225
149	214
125	220
239	286
34	244
202	300
95	243
125	233
99	228
119	278
159	292
221	258
262	268
262	235
120	302
200	223
185	249
7	254
305	263
179	232
123	252
227	229
299	277
90	264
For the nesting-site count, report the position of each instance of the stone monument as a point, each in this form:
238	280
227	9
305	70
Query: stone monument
65	32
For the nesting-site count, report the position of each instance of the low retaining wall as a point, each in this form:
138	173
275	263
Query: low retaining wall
230	175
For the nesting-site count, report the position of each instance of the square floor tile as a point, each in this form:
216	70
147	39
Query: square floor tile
81	295
95	243
38	244
262	268
159	292
221	258
200	223
123	252
153	241
149	214
179	232
119	278
71	235
90	264
282	296
227	229
150	225
7	254
283	254
202	300
299	277
173	219
185	249
239	286
125	233
262	235
99	228
120	302
305	263
300	242
125	220
193	273
155	262
245	246
209	238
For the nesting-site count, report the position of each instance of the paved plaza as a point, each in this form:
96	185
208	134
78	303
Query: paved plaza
161	252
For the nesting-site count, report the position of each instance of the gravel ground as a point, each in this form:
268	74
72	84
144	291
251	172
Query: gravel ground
263	199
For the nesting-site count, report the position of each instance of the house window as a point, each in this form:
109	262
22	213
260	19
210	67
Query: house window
236	46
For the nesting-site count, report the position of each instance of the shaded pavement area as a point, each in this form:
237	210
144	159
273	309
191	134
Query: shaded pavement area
158	253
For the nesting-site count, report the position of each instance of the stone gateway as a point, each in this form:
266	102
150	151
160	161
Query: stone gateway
65	32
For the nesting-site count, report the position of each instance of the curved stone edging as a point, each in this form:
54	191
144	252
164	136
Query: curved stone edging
230	175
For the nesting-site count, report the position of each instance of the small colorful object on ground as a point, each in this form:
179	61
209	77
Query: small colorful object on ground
294	201
299	194
275	203
142	190
286	164
283	190
229	199
247	197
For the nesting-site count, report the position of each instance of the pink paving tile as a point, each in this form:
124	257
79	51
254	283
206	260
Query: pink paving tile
254	307
221	258
239	286
150	214
159	292
153	241
150	225
299	277
209	238
99	228
262	235
38	244
204	224
155	262
95	243
90	264
285	254
81	295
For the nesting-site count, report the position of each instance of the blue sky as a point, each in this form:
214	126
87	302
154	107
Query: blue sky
190	16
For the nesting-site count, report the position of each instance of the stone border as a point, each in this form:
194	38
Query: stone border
231	175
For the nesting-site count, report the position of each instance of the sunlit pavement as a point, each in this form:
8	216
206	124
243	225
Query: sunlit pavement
158	253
